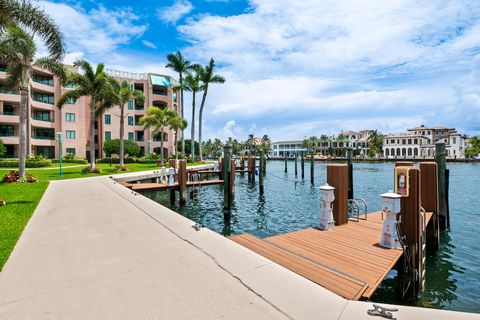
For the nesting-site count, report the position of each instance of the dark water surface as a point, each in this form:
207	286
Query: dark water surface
453	273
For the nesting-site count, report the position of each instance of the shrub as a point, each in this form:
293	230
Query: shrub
38	157
113	147
116	160
69	156
28	163
95	170
14	176
120	168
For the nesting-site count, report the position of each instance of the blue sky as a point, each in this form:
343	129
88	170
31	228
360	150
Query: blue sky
298	68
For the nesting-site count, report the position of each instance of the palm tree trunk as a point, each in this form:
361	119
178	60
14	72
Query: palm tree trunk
181	111
122	128
92	134
22	135
176	145
192	136
161	146
200	116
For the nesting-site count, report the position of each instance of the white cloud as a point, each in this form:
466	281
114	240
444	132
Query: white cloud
149	44
96	32
175	12
334	63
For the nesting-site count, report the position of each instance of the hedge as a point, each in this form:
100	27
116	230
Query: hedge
28	163
116	160
79	161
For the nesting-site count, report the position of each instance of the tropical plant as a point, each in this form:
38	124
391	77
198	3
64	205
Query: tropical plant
131	148
177	124
342	138
33	19
192	84
3	150
474	149
375	143
324	141
178	63
310	144
265	145
157	119
207	77
96	85
125	94
18	50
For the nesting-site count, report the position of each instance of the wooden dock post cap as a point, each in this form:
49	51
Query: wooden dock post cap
337	165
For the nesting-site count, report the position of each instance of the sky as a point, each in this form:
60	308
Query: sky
295	69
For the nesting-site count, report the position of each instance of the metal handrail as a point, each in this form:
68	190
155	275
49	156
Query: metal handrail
351	203
365	206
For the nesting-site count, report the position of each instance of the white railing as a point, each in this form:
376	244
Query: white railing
126	74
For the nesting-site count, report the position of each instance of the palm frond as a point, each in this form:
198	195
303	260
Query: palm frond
69	95
86	67
33	18
53	66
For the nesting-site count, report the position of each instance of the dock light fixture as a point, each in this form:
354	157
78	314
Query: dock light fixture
327	195
60	140
391	207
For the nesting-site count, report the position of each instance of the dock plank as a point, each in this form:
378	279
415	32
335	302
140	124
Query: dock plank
337	282
351	250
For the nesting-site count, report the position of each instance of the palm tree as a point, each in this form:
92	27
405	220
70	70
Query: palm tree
192	84
157	119
96	85
32	18
177	124
179	64
125	94
207	77
375	143
342	138
17	49
324	139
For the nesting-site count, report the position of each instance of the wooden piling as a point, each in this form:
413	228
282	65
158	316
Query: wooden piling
440	159
220	169
285	163
350	173
404	164
242	166
261	173
429	200
227	197
296	170
411	225
312	168
182	181
232	179
302	161
172	197
264	165
337	177
251	169
173	163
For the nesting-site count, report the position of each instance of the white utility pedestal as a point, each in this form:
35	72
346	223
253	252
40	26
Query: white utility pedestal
391	207
327	196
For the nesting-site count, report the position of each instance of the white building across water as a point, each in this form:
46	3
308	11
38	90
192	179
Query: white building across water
420	142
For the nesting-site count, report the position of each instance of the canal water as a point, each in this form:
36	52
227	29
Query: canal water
290	203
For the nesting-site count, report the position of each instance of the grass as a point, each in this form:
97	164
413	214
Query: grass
23	198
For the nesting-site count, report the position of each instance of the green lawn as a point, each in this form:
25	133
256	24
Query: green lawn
23	198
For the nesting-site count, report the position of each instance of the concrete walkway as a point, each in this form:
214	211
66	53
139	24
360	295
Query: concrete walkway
94	250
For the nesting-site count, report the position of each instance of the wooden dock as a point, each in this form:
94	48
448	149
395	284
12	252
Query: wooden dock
347	261
163	186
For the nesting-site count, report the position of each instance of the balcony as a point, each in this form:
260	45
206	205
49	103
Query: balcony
42	123
42	86
43	141
9	139
9	117
41	105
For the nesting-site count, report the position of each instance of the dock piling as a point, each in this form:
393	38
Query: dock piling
261	173
337	177
285	163
182	181
296	170
227	196
312	168
302	162
440	159
429	199
350	173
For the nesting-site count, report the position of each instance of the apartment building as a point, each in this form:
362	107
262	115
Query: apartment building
420	142
45	119
286	148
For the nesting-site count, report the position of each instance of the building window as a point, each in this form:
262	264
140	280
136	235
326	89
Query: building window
41	115
71	150
130	105
130	120
44	98
108	119
46	80
130	136
6	131
8	110
71	101
108	135
454	139
70	134
70	117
